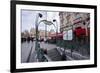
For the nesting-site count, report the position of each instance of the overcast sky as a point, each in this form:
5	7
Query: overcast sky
28	19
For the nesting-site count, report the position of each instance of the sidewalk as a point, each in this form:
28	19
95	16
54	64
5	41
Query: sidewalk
72	56
25	51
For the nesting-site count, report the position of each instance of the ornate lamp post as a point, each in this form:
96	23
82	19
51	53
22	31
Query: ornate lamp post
37	45
56	29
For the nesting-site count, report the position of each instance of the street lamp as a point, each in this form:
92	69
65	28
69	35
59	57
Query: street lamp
37	45
54	20
46	22
50	23
40	15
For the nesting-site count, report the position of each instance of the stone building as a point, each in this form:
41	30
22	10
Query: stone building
41	33
32	32
74	20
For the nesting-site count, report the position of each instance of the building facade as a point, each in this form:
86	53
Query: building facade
42	33
74	20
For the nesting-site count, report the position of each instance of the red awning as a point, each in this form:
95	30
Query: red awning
80	31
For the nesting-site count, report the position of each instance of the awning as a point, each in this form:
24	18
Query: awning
80	31
57	35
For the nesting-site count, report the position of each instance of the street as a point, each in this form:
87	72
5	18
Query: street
28	53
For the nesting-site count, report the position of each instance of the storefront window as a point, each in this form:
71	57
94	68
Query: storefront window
68	35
